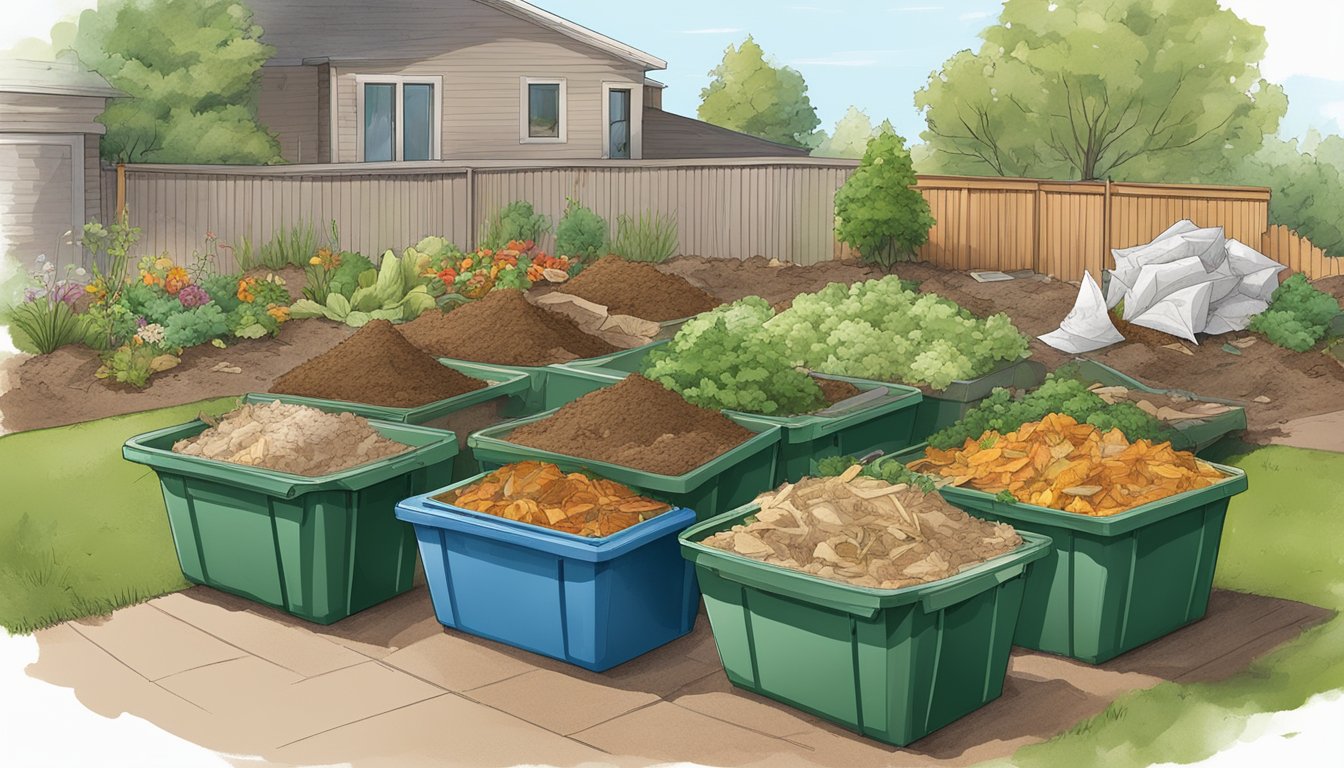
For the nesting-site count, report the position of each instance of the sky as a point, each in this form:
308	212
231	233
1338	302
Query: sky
873	54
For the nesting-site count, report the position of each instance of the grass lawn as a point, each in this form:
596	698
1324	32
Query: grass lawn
1282	538
83	531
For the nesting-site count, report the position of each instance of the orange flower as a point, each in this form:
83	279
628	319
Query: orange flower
177	280
245	289
281	314
149	278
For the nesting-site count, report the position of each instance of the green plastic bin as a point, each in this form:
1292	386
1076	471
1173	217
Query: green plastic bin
886	423
320	548
460	415
625	361
944	407
1193	435
894	665
724	482
565	385
1113	583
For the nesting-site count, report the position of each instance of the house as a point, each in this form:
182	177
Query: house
406	80
49	170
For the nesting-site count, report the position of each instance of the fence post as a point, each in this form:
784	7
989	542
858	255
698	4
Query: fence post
121	189
471	210
1105	230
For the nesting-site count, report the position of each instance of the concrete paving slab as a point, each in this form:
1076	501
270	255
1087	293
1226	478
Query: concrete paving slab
154	643
457	662
665	732
232	620
559	702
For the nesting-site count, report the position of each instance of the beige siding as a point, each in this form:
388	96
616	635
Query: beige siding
93	189
289	107
324	113
50	113
37	199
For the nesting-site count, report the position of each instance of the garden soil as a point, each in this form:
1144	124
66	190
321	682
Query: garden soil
834	391
58	389
377	366
636	423
503	328
638	289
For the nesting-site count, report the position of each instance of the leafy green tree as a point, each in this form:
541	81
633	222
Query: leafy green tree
1126	89
851	135
190	70
1307	190
751	95
877	211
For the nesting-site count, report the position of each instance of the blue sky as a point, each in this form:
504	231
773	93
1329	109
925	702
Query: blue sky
876	54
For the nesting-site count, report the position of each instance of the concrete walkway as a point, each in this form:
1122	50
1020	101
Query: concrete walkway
390	687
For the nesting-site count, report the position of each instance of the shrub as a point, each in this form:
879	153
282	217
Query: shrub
515	221
45	325
1299	315
195	326
877	211
652	237
581	234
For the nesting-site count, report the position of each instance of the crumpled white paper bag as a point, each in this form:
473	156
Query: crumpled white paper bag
1088	325
1182	314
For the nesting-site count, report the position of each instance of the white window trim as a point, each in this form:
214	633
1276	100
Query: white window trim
75	142
399	81
636	117
524	104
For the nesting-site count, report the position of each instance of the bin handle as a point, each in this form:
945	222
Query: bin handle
748	578
958	592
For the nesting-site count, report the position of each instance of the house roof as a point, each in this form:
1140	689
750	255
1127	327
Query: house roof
577	31
670	136
53	77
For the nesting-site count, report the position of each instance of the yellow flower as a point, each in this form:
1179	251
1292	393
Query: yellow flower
163	262
281	314
315	261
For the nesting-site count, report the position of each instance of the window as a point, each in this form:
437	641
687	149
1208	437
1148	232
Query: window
399	117
618	123
542	111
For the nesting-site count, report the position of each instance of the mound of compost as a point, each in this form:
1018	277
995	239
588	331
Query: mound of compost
376	366
636	423
638	289
503	328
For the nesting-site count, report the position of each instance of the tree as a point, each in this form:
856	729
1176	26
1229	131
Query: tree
1090	89
751	95
1308	188
190	70
851	135
877	211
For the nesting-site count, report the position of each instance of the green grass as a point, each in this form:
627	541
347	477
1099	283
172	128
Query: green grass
1281	539
83	531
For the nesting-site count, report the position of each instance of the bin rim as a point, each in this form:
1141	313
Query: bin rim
589	364
1130	520
431	446
864	602
501	382
805	427
424	510
767	435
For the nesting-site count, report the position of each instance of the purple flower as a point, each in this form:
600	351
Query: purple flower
67	291
140	321
33	294
193	296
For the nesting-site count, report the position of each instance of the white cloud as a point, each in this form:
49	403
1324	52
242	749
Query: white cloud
711	31
1303	36
975	15
1334	110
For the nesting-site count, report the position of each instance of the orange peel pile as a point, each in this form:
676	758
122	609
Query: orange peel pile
542	494
1061	464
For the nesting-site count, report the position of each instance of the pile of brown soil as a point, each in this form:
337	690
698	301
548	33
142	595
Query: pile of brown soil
503	328
834	391
637	423
379	367
633	288
1138	334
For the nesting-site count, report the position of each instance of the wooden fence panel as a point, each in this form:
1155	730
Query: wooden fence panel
1287	247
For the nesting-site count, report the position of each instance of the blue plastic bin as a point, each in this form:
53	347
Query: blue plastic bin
594	603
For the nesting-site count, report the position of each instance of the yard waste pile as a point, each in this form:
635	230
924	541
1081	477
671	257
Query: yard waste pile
378	366
1188	280
635	423
505	329
866	532
638	289
1061	464
542	494
291	438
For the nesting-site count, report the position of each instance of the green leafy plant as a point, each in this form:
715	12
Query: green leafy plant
223	290
652	237
878	212
190	327
884	468
47	325
1299	315
879	329
394	293
107	326
581	234
726	359
1002	413
345	278
289	246
245	254
134	364
112	246
515	221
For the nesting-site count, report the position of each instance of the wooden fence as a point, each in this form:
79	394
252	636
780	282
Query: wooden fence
733	208
1287	247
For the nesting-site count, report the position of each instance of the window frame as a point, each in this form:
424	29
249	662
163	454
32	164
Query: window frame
636	117
525	106
436	131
